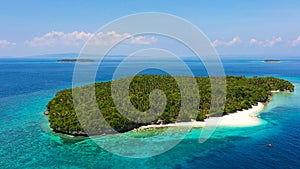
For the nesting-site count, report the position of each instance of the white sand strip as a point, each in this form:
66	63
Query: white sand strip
238	119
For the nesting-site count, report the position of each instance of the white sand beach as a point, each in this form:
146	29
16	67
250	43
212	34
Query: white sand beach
238	119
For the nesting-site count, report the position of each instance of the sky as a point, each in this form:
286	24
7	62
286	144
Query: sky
234	27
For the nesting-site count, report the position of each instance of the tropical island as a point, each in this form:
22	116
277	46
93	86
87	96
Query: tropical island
242	94
75	60
271	60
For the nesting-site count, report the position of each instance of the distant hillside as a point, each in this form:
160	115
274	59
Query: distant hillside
75	60
271	60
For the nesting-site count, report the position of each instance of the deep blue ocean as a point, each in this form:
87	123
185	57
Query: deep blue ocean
26	86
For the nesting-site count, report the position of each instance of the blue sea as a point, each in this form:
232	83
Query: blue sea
26	86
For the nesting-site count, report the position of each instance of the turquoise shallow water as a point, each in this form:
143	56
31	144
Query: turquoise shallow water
27	142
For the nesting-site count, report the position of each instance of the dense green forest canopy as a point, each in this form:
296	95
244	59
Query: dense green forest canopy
241	93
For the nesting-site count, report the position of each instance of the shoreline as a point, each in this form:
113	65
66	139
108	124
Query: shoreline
244	118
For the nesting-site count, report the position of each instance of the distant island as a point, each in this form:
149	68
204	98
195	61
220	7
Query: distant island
75	60
242	93
271	60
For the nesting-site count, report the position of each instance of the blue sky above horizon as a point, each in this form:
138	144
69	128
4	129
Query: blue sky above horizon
234	27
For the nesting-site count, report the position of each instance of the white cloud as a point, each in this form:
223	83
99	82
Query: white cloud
5	43
265	43
60	38
143	40
296	42
232	42
107	38
79	38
